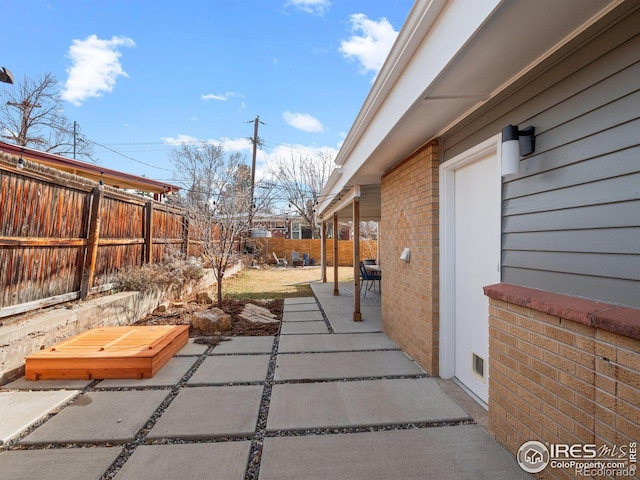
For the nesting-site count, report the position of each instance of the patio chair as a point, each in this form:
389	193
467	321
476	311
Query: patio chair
280	261
370	278
296	261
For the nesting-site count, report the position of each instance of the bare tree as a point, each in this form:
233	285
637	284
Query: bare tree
218	198
301	179
31	115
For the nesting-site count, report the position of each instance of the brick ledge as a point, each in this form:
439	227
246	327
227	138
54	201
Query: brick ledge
613	318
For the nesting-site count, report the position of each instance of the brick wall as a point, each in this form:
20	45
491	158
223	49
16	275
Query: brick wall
556	376
409	218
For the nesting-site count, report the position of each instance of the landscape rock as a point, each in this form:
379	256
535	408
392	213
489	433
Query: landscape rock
205	297
254	313
178	304
163	307
211	321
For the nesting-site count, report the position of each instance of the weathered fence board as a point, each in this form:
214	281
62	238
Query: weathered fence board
62	237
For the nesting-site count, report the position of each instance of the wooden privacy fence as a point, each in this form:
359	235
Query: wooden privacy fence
62	236
283	248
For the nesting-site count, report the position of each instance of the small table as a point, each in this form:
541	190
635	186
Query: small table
375	268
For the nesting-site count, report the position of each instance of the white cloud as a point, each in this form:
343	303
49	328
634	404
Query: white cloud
286	151
176	141
370	43
222	97
315	7
263	157
303	121
229	144
95	67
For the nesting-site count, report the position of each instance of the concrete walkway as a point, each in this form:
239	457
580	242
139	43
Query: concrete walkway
326	399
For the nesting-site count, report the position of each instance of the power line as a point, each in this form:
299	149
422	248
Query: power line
130	158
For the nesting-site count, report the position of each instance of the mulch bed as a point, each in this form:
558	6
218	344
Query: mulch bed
182	315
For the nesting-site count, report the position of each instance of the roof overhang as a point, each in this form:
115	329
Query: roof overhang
450	59
93	172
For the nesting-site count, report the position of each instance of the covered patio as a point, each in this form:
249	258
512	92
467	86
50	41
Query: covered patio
359	203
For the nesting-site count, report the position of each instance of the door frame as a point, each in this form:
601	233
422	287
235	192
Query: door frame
492	145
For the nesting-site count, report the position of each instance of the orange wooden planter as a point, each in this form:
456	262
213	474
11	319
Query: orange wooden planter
109	352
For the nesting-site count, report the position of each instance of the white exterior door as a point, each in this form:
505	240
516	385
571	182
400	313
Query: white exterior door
471	246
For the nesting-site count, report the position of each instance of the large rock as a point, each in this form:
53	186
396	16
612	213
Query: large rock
205	297
210	321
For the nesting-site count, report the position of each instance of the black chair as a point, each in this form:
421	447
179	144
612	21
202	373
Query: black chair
370	278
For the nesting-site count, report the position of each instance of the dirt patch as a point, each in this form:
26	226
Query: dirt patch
182	315
264	287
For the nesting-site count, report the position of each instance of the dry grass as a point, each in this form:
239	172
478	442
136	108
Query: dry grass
278	282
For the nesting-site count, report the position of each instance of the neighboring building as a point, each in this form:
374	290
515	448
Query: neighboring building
92	171
551	252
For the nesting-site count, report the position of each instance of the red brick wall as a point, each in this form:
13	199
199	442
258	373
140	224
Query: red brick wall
558	380
409	218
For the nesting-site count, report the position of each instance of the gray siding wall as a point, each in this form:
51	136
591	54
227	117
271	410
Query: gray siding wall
571	219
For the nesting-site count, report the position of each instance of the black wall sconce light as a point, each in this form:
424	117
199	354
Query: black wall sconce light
515	144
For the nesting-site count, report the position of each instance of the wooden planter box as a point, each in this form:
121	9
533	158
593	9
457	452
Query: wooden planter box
109	352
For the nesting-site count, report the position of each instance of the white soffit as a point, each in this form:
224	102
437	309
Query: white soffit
472	51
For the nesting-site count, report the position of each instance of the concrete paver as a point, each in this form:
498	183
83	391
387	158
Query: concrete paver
360	403
357	350
334	343
298	300
371	321
296	328
334	365
213	461
231	369
460	452
199	412
302	307
310	316
100	417
339	309
24	384
192	348
18	410
245	345
55	464
169	375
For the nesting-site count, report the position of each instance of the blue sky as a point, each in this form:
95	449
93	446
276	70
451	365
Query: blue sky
140	75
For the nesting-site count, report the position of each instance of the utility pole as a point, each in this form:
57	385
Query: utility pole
256	141
75	133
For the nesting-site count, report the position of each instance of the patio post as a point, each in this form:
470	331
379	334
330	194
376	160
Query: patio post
357	315
336	291
323	251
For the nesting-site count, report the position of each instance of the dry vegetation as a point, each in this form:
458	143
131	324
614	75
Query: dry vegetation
265	287
272	283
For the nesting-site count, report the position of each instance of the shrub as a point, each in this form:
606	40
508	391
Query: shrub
175	271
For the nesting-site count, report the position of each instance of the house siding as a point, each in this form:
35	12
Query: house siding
409	219
570	225
571	219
